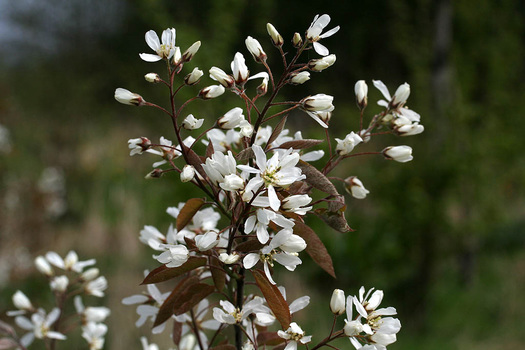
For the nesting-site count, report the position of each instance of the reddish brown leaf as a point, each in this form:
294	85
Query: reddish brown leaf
317	179
269	338
315	247
217	273
166	309
300	144
209	152
249	246
7	343
276	131
246	153
274	298
191	296
176	334
279	347
334	216
163	273
193	158
187	212
223	347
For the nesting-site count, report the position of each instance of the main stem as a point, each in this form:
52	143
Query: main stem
239	298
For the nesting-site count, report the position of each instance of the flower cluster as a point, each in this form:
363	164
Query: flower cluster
67	276
258	180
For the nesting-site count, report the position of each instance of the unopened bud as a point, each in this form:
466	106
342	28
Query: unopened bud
229	259
128	98
337	303
355	187
400	154
401	95
299	78
59	283
255	49
325	116
194	77
297	41
90	274
43	266
212	91
21	301
361	93
154	174
231	119
177	57
277	39
320	64
191	51
187	174
409	129
262	89
220	76
152	78
319	102
192	123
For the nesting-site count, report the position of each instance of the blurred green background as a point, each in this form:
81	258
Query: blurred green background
441	235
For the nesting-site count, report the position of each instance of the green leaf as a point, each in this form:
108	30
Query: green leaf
190	208
163	273
274	298
315	247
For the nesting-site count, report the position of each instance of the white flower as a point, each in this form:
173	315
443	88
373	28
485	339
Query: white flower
361	93
70	263
398	100
318	104
97	287
296	204
346	146
278	171
192	123
90	274
90	313
128	98
219	165
246	128
277	39
232	182
231	119
400	154
403	126
294	334
355	187
337	302
191	51
207	241
59	283
43	266
255	49
164	50
229	314
212	91
138	145
320	64
146	346
220	76
152	78
239	69
188	173
21	301
261	220
167	151
313	34
39	326
194	77
229	259
94	334
174	255
299	78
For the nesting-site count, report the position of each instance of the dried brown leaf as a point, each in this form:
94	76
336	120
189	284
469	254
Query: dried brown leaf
163	273
317	179
274	298
190	208
315	247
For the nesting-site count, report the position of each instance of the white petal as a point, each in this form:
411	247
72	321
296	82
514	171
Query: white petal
382	87
250	260
152	39
299	304
149	57
329	33
317	119
275	203
321	49
312	156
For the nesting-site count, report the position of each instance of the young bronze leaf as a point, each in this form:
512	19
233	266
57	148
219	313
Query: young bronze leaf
223	347
276	131
217	273
166	309
315	247
274	298
193	158
176	334
249	246
209	153
246	153
163	273
191	296
300	144
269	338
189	209
317	179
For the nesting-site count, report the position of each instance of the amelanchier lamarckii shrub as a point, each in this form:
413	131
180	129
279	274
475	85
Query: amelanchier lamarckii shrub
256	182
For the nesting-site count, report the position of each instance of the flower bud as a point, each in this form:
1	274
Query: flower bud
21	301
212	91
325	116
262	89
154	174
355	187
177	57
299	78
229	259
353	328
246	128
239	69
192	123
152	78
232	182
191	51
400	154
297	41
207	241
59	283
409	129
43	266
401	95
255	49
220	76
138	145
337	303
90	274
361	92
293	244
128	98
319	102
187	174
231	119
194	77
320	64
277	39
